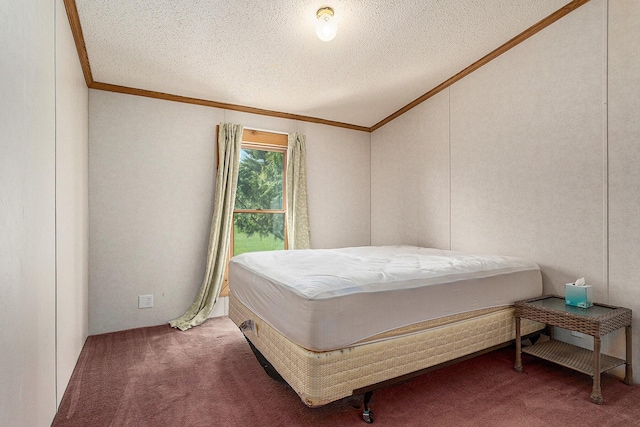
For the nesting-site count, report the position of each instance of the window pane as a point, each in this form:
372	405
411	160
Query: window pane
253	232
260	180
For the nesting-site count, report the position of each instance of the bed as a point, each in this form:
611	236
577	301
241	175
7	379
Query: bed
337	322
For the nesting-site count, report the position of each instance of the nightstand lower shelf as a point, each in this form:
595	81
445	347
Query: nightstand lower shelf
571	356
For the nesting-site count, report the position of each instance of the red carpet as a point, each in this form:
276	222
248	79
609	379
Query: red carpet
208	376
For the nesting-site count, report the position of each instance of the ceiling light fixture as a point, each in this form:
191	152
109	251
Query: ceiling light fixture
326	27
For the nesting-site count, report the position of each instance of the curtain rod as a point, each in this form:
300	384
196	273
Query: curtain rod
266	130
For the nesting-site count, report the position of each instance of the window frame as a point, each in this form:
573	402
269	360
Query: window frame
266	141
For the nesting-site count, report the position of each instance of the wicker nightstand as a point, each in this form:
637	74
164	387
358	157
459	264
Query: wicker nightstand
596	321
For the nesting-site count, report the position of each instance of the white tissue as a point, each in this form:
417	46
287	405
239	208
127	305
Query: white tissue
581	282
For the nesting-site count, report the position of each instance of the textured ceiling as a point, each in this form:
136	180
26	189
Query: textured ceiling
265	54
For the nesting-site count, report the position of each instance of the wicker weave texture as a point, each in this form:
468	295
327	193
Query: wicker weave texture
323	377
595	326
571	356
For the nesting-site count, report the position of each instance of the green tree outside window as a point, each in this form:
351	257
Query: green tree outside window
260	188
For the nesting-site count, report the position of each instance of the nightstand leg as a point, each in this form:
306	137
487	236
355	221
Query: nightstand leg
518	367
596	393
628	374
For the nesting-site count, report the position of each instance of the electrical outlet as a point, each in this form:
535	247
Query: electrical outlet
145	301
577	334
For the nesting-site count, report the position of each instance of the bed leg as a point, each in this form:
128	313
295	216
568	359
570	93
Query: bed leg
266	365
367	415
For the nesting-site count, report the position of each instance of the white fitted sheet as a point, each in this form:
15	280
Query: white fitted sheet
327	299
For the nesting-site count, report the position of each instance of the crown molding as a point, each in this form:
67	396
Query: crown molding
197	101
78	38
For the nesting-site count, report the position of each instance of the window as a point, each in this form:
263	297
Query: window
259	222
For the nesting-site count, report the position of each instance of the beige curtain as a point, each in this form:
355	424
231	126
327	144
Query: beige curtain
229	147
299	236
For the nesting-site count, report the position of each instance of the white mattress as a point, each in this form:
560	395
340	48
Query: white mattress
327	299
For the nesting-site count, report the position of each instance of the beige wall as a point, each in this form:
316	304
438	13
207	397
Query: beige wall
43	211
410	177
151	182
72	204
27	215
527	144
624	160
338	175
521	157
151	168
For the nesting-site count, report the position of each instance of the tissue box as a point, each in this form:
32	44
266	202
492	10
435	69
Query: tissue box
578	296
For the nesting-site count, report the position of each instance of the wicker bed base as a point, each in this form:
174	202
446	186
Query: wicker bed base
323	377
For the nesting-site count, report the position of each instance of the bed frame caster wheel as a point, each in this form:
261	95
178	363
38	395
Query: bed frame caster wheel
367	415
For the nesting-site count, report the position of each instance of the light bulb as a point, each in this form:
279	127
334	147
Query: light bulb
326	27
